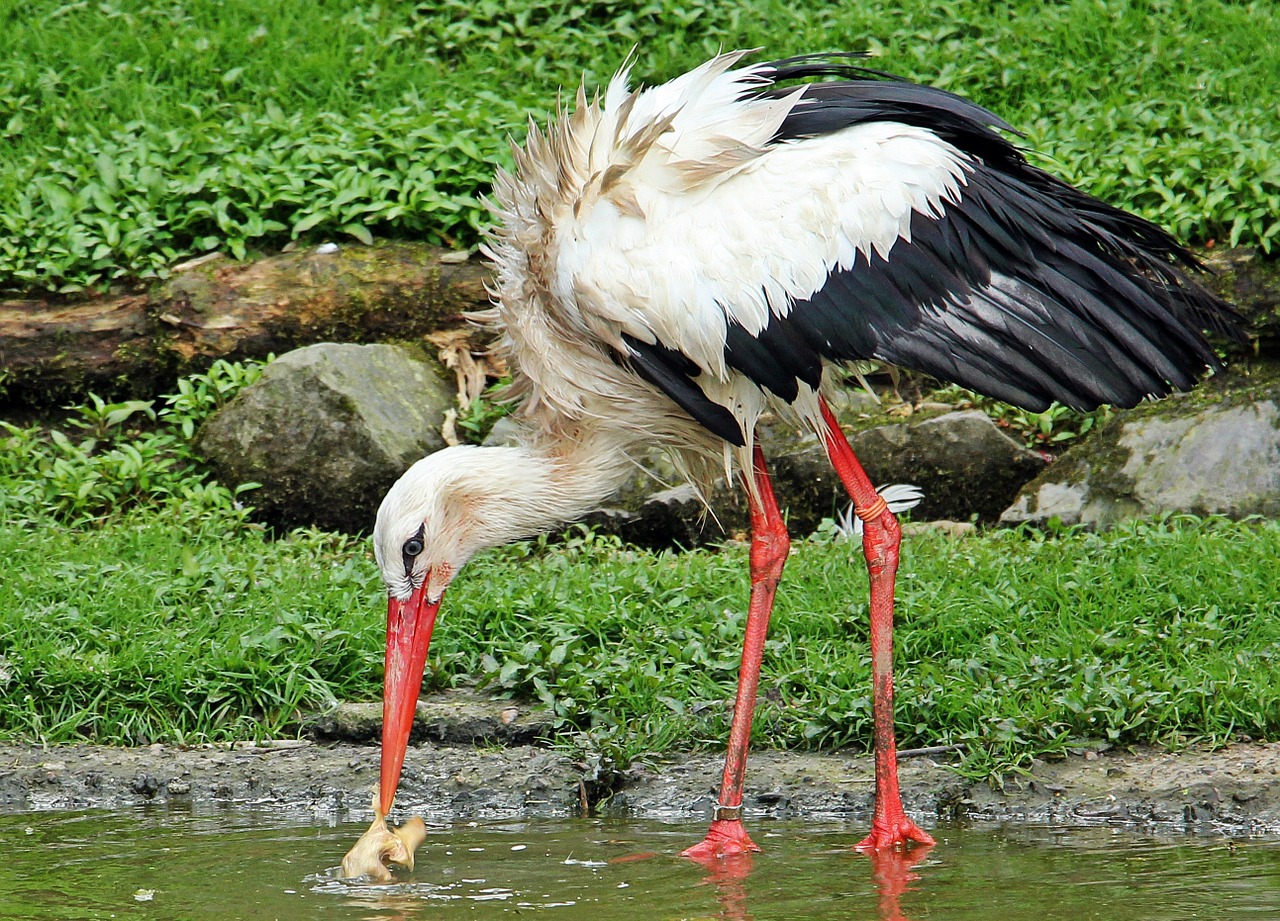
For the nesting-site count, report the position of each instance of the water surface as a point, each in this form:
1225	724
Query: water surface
245	864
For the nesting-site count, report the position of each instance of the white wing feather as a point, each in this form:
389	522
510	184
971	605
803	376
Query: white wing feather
672	253
900	497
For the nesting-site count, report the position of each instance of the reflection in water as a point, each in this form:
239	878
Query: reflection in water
237	864
729	876
891	870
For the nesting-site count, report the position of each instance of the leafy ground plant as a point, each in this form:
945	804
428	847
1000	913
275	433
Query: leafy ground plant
113	457
1055	426
1011	643
133	135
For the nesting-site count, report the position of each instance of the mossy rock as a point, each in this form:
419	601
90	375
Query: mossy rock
1215	451
326	431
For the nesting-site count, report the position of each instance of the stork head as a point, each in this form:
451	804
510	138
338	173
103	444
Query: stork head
423	535
432	521
426	527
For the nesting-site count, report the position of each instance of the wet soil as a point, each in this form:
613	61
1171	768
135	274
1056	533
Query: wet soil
472	759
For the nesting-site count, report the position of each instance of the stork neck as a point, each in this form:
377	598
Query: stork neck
552	481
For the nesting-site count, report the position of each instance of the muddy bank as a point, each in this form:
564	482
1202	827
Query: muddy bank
1233	791
473	756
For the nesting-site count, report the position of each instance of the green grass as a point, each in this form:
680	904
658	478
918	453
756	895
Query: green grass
160	627
133	134
140	603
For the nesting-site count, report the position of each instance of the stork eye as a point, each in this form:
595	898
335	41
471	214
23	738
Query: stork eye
412	547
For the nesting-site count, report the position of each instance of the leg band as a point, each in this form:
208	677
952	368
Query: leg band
873	511
728	813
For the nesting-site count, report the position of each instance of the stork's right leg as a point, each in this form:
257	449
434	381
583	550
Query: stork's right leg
769	547
890	826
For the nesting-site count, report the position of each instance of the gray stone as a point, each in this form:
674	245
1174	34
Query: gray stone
326	431
1220	457
648	514
454	716
503	433
967	468
1250	282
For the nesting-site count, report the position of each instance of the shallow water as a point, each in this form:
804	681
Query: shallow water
239	863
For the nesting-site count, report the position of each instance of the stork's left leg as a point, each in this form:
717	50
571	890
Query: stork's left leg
890	826
769	547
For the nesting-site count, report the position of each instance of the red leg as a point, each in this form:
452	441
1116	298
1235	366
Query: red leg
890	826
769	547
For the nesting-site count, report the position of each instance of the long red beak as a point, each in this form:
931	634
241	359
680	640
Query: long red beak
409	625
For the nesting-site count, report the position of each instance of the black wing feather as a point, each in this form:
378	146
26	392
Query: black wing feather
1026	289
777	358
675	375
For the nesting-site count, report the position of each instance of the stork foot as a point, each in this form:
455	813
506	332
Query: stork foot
895	833
725	838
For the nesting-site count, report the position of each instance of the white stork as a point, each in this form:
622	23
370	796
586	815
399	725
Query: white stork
674	262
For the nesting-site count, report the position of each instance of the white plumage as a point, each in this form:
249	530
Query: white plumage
669	236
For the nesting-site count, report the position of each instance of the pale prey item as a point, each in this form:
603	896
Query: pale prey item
381	846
